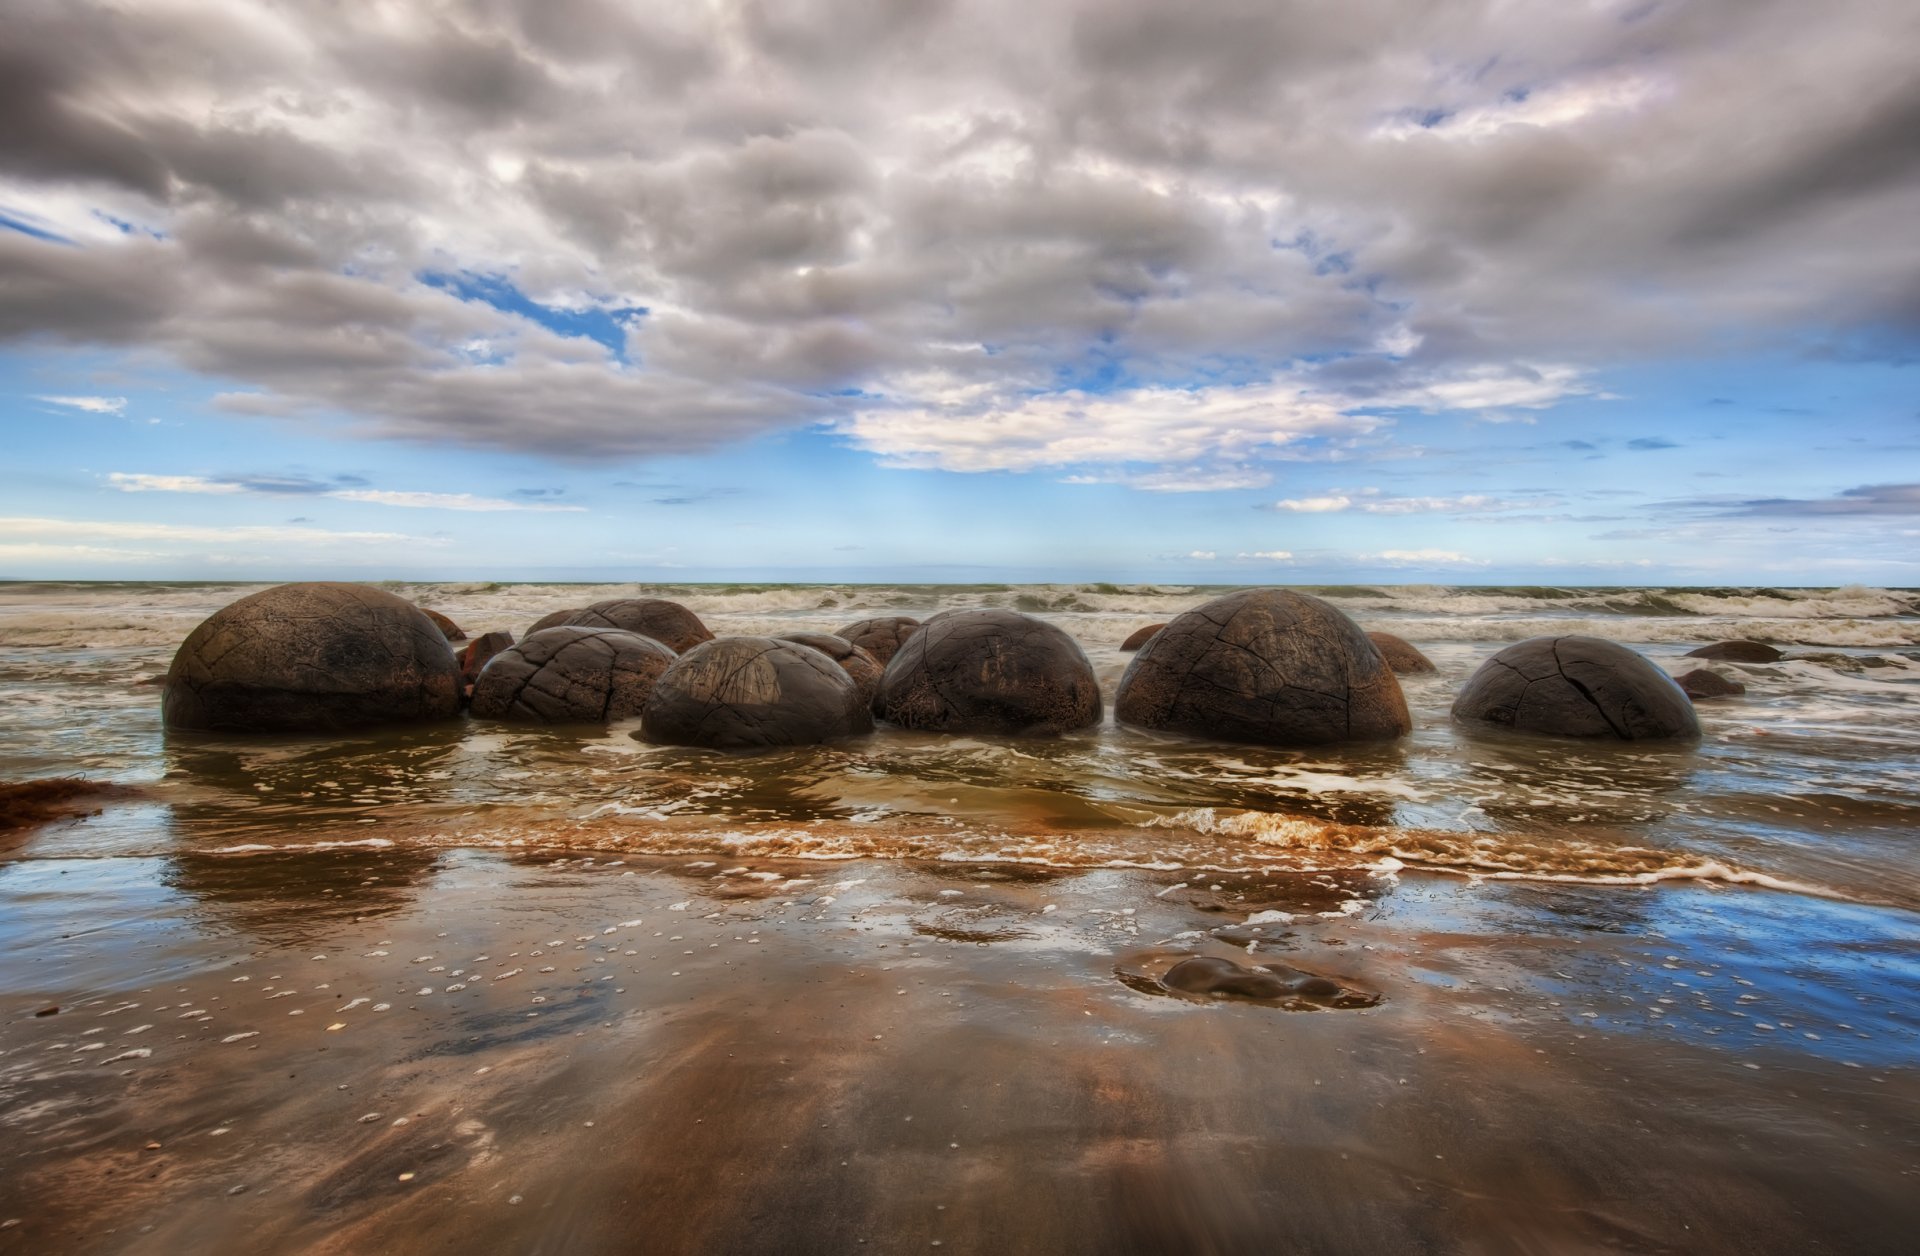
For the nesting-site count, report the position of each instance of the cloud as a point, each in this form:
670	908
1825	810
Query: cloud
56	530
991	236
1423	558
1272	556
1314	505
92	405
1202	555
1868	499
1652	442
1371	501
135	482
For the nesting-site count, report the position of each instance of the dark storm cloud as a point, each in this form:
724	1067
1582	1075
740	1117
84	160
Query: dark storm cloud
912	219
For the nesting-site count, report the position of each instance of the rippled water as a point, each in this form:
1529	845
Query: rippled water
1808	782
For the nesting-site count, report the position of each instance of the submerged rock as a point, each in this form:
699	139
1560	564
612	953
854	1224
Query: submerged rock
1737	652
1266	666
571	675
452	630
1401	656
861	668
312	658
882	637
669	623
1139	637
738	693
1274	984
1576	687
1701	683
989	671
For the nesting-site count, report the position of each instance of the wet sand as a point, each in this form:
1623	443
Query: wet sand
670	1055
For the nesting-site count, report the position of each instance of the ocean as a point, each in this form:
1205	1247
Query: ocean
1685	976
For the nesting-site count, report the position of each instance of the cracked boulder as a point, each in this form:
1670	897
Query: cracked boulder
553	619
1401	656
989	671
1265	666
861	667
881	638
314	657
669	623
571	675
1576	687
743	693
1140	636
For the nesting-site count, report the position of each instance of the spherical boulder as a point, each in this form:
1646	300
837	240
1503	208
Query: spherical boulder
553	619
571	675
989	671
739	693
880	637
669	623
860	667
453	631
312	657
1737	652
1576	687
1140	636
1402	657
1265	666
477	653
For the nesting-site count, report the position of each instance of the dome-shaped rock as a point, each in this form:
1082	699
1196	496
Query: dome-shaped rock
989	671
880	637
1737	652
553	619
571	675
477	653
452	631
1266	666
669	623
312	658
737	693
1402	657
1701	683
1140	636
1576	687
860	667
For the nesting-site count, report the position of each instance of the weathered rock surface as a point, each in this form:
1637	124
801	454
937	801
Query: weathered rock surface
554	619
1210	976
452	631
861	668
1402	657
477	653
1266	666
571	675
1737	652
1701	683
1576	687
739	693
669	623
989	671
1140	636
880	637
312	658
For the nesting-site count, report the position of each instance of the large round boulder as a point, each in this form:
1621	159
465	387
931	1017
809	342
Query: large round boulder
1400	655
739	693
669	623
880	637
453	631
553	619
1576	687
1266	666
1139	637
861	668
989	671
312	658
571	675
1737	652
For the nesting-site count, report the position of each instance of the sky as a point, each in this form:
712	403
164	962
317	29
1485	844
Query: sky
1245	291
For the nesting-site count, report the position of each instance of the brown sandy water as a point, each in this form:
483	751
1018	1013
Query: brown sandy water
410	1050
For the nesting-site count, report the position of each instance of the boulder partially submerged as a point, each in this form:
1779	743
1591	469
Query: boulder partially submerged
1576	686
1266	666
880	637
741	693
571	675
1401	656
1737	652
1701	683
313	657
989	671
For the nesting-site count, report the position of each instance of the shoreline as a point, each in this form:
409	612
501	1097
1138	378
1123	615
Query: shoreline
1521	1086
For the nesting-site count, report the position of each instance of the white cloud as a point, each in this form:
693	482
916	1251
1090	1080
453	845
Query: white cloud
135	482
1314	505
118	530
1274	556
92	405
1371	501
1203	555
1424	558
